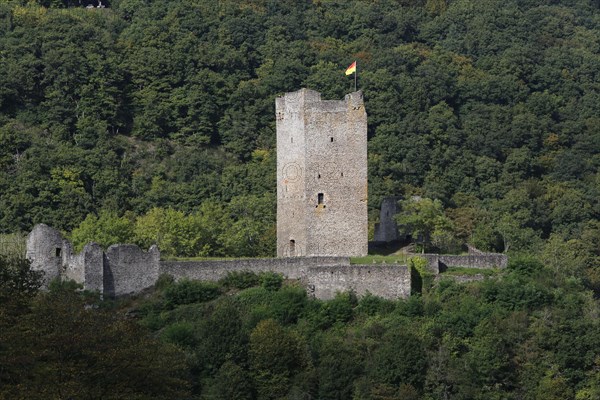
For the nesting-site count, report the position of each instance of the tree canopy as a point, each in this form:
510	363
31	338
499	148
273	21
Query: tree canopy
141	106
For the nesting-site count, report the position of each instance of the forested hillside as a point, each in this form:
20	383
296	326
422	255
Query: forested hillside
152	120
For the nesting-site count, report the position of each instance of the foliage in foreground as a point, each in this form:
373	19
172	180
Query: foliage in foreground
65	343
524	333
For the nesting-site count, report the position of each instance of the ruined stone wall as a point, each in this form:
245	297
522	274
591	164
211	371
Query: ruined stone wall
94	271
323	276
460	278
86	267
321	175
213	270
45	249
387	229
390	282
51	253
438	263
128	269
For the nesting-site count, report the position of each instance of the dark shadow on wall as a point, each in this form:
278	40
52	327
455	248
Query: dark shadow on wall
108	279
416	282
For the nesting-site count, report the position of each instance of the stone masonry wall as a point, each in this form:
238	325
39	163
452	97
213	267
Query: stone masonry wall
438	263
323	276
86	267
93	259
390	282
128	269
45	247
321	175
387	229
213	270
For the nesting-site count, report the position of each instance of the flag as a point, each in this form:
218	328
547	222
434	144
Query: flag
351	69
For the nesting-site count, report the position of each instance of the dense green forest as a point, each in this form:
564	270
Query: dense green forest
151	121
528	333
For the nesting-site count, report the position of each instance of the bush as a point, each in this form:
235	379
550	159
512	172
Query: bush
411	307
270	280
423	278
164	281
338	310
370	304
240	280
181	334
516	294
288	304
187	292
525	265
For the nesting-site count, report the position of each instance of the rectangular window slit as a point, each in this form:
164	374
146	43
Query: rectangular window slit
320	200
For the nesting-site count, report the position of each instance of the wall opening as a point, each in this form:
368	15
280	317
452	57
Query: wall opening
331	139
58	252
319	176
292	247
320	200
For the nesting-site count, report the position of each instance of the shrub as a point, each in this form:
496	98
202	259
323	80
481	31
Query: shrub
164	281
240	280
270	280
411	307
525	265
423	277
187	292
181	334
289	303
338	310
370	304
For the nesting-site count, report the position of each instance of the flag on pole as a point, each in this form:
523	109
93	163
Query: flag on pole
351	69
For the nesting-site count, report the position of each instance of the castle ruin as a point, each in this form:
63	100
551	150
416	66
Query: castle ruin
321	219
321	175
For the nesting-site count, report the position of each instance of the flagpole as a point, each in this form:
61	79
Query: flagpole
355	76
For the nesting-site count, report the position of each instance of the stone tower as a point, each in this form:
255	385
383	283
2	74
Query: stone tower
321	175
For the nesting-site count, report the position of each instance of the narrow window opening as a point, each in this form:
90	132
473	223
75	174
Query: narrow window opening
58	252
331	139
319	176
320	200
292	247
342	174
